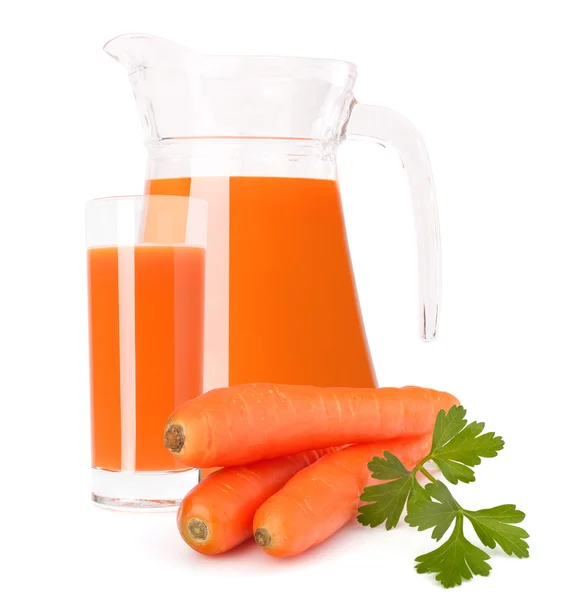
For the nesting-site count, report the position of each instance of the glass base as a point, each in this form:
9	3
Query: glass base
142	490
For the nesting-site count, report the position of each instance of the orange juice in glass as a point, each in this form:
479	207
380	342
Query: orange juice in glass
146	282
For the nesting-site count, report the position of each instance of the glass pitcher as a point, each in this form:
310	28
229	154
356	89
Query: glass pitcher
257	137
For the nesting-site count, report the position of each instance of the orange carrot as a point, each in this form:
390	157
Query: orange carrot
218	513
320	499
251	422
205	473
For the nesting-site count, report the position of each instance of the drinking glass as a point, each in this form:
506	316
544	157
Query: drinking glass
146	280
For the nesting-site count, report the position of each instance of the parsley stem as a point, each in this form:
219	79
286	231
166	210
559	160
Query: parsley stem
427	475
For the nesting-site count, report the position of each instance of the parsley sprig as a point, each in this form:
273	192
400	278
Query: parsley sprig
457	447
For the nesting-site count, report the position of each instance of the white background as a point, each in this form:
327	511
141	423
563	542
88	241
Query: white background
489	85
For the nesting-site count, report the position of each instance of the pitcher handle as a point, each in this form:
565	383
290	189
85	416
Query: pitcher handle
388	127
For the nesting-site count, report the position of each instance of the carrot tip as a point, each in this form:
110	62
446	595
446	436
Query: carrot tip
262	537
197	529
174	438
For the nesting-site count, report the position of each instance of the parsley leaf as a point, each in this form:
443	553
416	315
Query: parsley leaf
387	468
387	499
492	525
455	560
457	446
447	425
424	513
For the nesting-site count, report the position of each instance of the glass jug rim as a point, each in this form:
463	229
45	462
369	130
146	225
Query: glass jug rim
231	66
189	59
309	61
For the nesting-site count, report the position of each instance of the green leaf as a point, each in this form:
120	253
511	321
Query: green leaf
458	446
387	499
455	560
447	425
493	526
454	472
424	513
387	502
387	468
419	497
468	445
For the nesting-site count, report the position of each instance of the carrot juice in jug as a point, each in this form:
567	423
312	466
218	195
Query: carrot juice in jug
293	311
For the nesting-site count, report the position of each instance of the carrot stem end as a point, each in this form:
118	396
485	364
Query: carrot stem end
174	438
262	537
198	529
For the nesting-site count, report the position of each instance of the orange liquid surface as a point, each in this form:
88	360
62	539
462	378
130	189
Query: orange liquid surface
293	311
157	363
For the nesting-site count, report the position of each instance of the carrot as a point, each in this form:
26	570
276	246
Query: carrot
218	513
205	473
320	499
251	422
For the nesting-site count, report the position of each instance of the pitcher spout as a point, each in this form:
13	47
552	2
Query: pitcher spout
140	50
